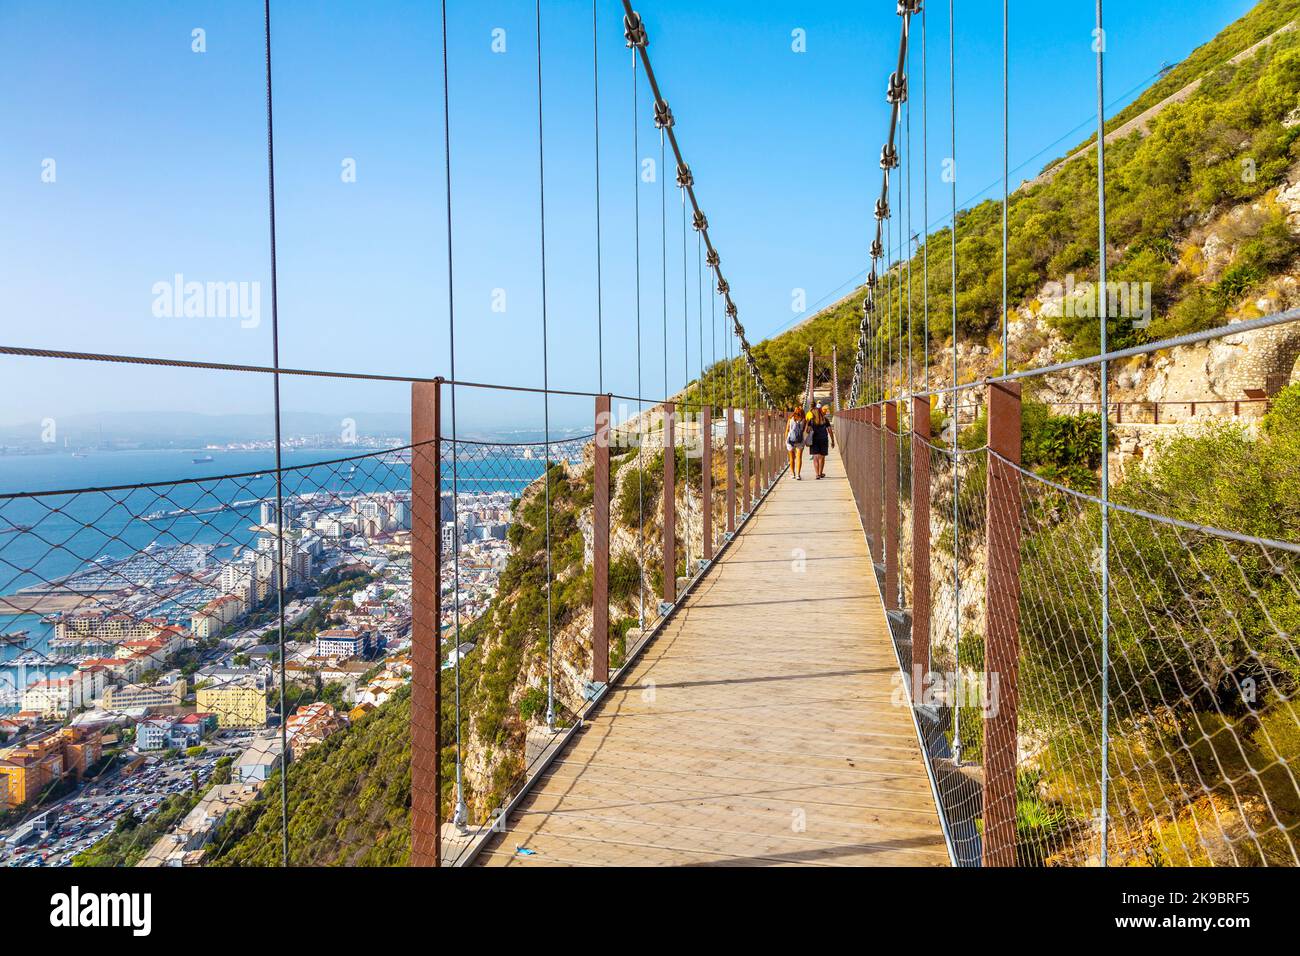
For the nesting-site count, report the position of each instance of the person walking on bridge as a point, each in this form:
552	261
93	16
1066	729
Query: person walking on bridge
795	439
819	425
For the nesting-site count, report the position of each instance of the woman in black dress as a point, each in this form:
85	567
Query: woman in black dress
819	422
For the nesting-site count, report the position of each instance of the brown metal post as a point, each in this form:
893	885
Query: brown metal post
731	471
600	546
1002	639
871	486
670	507
426	625
744	462
770	447
849	452
744	459
779	458
891	506
768	471
853	461
882	452
778	444
920	544
706	480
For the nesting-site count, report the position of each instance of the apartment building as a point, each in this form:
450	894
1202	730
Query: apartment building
25	770
100	627
60	697
238	701
212	618
164	698
342	643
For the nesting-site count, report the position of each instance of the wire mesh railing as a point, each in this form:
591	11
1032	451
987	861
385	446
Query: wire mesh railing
166	644
1200	710
1095	680
194	651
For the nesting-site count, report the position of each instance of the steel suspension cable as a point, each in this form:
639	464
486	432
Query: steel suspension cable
663	255
546	398
898	419
279	438
956	416
600	299
699	310
686	378
1005	137
925	196
1103	302
640	406
461	812
895	95
911	239
635	31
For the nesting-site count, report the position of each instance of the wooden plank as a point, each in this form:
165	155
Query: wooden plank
765	725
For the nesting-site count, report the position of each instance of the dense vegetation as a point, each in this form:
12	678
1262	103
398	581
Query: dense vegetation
349	801
1203	668
1065	449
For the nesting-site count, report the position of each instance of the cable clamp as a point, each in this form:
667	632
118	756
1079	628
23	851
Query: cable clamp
897	92
634	31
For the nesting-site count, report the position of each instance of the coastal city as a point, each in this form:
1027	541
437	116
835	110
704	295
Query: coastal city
151	709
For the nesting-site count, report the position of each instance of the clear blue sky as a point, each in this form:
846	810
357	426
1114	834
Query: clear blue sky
161	169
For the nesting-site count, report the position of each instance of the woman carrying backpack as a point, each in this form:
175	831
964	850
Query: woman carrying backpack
819	425
794	440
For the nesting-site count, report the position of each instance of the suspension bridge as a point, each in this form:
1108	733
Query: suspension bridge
760	725
935	655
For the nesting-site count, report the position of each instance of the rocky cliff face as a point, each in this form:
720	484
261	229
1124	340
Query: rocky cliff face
1223	378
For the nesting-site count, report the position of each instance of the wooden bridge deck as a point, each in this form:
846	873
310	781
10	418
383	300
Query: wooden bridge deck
757	728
